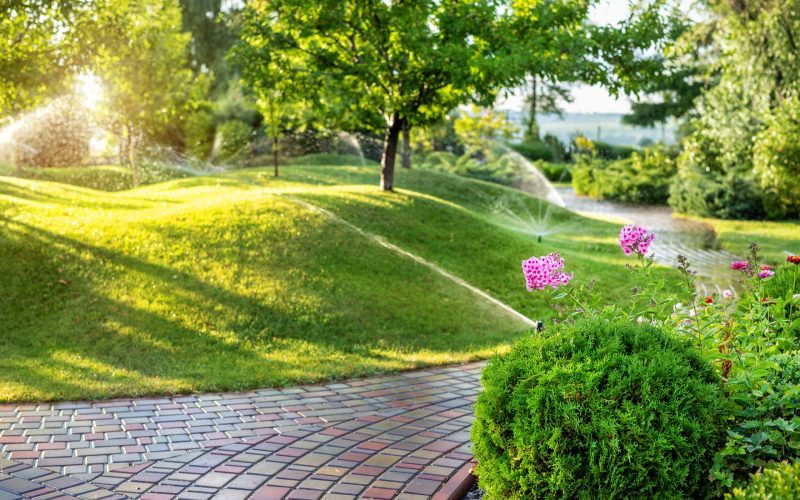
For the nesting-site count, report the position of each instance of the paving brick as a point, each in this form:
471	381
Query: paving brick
402	433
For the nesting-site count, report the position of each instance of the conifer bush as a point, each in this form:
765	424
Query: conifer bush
602	408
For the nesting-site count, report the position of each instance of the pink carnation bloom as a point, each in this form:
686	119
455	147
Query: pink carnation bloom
545	271
766	273
739	265
635	239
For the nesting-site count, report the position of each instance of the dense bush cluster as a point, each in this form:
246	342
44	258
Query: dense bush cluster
602	406
673	395
556	172
534	150
777	482
642	179
776	161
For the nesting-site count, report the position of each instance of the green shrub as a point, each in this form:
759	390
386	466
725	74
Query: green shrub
613	151
534	150
558	148
776	161
715	170
198	131
761	379
777	482
643	179
556	172
234	137
600	408
782	288
696	192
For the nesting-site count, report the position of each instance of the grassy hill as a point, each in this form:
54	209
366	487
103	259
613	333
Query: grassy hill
234	282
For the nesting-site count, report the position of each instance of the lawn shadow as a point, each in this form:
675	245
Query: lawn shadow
225	338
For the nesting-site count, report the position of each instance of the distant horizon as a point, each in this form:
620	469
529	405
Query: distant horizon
607	125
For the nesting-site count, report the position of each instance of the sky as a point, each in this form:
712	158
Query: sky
591	98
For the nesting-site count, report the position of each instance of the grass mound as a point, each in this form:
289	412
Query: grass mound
227	282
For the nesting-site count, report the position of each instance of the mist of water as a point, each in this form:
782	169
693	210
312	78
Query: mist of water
532	180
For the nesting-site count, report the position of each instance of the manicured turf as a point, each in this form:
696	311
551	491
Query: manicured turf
227	282
775	239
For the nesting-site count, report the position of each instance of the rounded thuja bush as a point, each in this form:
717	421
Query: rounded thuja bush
600	408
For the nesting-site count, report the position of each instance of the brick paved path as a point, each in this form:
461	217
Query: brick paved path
402	436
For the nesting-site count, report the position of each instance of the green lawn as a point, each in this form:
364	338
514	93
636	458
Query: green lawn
775	239
227	282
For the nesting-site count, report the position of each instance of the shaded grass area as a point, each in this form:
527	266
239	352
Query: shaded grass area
224	282
776	239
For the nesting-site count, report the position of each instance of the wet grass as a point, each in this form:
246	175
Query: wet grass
227	282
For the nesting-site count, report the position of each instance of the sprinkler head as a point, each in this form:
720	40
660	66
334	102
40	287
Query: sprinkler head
539	239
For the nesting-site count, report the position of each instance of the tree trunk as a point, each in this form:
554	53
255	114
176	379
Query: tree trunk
123	146
275	152
390	152
405	154
533	126
132	155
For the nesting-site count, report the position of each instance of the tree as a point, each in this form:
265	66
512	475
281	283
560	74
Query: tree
413	61
545	97
378	57
690	68
478	129
214	28
37	49
140	55
720	172
281	112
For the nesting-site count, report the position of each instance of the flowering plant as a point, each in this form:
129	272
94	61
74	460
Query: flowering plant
750	340
635	239
544	272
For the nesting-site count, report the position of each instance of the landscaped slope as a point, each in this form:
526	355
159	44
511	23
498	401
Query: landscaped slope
234	282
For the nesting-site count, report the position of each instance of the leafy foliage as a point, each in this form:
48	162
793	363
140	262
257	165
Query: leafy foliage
776	161
751	104
234	136
644	179
776	482
139	52
534	150
760	369
395	65
38	43
602	406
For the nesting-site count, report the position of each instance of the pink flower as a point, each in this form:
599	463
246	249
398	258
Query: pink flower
635	239
545	271
727	294
766	273
766	267
739	265
794	259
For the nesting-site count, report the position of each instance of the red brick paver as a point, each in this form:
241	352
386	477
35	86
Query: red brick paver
403	435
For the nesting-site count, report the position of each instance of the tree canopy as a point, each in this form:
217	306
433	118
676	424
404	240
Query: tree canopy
37	48
393	65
